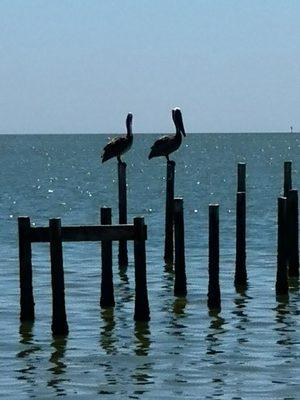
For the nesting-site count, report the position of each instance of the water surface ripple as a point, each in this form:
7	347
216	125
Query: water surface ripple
250	350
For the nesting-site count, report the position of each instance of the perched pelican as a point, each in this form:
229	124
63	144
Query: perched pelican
167	144
119	145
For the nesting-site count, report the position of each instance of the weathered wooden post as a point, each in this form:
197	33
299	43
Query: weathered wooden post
169	221
293	233
59	318
281	285
180	275
123	255
141	308
240	278
25	271
107	287
241	177
214	295
287	183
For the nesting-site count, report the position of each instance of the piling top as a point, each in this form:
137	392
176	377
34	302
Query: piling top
23	221
140	228
241	177
55	223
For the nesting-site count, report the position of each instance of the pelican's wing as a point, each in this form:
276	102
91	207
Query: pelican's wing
161	144
161	147
114	148
111	144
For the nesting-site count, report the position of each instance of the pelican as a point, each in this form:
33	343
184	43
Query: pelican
167	144
119	145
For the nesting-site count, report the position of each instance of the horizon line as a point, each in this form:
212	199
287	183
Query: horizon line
144	133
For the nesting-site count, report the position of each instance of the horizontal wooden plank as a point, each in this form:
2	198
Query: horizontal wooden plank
92	233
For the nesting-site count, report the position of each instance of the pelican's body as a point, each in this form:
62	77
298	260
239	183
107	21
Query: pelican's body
168	144
119	145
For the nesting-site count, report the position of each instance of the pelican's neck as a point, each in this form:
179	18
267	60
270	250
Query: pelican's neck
129	131
178	133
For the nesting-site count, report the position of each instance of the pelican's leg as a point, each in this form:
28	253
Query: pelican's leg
120	161
170	161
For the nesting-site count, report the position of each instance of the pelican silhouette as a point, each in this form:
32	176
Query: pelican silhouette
168	144
119	145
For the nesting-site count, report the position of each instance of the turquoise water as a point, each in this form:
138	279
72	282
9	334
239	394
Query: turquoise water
248	351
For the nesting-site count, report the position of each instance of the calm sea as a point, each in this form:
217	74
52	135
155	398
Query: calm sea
251	350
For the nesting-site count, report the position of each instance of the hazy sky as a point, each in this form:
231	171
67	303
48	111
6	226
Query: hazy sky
80	66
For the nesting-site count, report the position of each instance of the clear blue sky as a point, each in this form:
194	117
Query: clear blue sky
81	65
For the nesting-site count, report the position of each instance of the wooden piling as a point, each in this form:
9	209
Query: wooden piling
214	295
180	288
123	254
240	278
169	221
107	287
293	233
141	308
25	270
287	183
281	285
59	318
241	177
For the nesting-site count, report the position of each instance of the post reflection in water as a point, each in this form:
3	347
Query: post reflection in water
179	306
27	373
215	332
142	335
58	367
177	325
285	325
241	302
168	281
108	339
26	338
214	342
143	373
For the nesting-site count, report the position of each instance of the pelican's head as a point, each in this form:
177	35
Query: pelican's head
177	118
129	123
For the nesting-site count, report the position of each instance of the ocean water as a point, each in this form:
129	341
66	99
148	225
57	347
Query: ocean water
250	350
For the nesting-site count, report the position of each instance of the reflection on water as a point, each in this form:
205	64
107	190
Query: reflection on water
142	335
285	324
58	366
143	373
27	354
216	330
179	306
241	302
176	322
108	340
168	281
26	337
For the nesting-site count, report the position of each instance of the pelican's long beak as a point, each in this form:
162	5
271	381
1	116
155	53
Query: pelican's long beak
177	118
129	123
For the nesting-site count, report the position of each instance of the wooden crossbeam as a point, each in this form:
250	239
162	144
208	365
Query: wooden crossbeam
92	233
